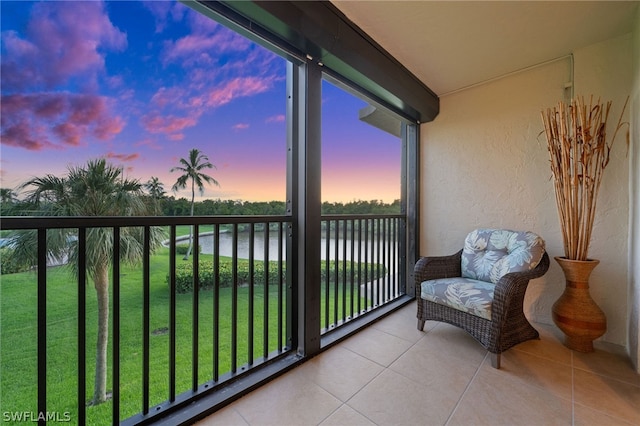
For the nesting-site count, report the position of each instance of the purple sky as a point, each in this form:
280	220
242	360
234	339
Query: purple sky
142	83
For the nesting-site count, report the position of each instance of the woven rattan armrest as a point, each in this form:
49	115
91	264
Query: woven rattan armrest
434	267
514	285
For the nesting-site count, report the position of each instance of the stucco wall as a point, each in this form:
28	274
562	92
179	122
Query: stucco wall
484	163
634	235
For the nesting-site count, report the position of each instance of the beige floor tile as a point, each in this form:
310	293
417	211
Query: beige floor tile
340	372
391	374
393	399
453	341
549	346
347	416
288	400
585	416
228	416
404	324
608	364
377	346
445	359
494	398
607	395
548	375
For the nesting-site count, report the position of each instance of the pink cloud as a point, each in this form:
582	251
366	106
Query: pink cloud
159	10
162	11
176	137
202	48
123	157
115	81
108	128
188	46
63	40
240	126
280	118
168	96
23	135
161	121
127	94
237	88
207	39
53	120
201	24
210	84
148	142
70	133
170	125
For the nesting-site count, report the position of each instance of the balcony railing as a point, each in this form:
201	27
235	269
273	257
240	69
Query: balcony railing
170	345
362	273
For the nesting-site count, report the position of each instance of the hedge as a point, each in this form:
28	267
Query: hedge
183	248
184	273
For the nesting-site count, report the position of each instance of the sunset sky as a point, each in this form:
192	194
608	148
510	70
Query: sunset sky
142	83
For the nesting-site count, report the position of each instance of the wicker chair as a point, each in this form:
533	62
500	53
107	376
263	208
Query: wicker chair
499	323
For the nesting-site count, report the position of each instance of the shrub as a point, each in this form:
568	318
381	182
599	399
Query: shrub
372	272
184	273
181	249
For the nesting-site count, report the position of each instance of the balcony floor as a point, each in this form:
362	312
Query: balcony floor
392	374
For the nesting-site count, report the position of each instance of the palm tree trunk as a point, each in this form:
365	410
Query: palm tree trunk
101	279
193	198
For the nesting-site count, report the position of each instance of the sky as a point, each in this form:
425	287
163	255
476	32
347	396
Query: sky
143	83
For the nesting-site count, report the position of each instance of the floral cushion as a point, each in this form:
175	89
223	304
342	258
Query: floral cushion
463	294
489	254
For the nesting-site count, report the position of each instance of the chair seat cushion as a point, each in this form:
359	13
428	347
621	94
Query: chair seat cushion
464	294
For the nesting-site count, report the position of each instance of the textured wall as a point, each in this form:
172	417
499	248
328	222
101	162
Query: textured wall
634	240
595	68
484	163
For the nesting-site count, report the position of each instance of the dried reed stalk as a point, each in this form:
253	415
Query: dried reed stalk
579	153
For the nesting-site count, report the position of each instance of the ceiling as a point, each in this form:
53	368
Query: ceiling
450	45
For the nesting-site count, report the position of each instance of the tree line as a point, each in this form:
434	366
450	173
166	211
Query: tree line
164	205
172	206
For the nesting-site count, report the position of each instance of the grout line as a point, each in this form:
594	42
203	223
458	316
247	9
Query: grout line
455	408
362	414
237	412
573	394
331	413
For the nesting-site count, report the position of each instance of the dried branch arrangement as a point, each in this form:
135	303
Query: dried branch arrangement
579	153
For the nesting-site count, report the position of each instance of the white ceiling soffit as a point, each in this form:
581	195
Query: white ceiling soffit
450	45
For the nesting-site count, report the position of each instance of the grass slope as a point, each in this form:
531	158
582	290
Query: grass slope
18	341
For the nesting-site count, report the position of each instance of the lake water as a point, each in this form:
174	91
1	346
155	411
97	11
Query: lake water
226	246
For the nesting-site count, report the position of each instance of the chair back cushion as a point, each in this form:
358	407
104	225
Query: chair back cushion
489	254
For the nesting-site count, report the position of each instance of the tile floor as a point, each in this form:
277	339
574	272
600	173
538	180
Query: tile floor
392	374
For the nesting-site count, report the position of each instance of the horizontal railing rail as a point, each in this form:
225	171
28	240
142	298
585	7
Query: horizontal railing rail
40	222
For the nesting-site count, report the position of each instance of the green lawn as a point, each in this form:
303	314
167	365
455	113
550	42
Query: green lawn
18	342
18	349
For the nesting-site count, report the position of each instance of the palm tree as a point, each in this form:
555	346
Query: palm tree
7	195
156	191
97	189
191	171
7	199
